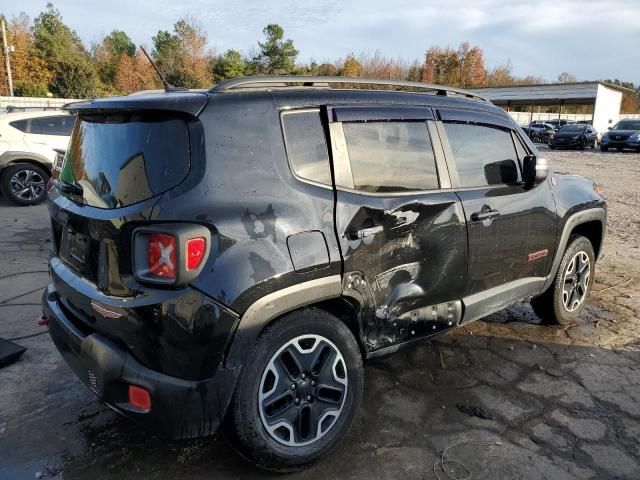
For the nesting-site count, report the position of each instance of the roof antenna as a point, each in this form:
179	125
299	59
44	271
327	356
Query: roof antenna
167	86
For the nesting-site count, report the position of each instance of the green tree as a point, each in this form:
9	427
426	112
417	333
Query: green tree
106	56
276	54
27	88
182	55
65	56
229	65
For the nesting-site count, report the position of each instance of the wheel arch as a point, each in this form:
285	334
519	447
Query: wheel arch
323	293
591	223
12	158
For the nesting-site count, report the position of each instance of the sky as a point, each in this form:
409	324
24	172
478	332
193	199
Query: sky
592	39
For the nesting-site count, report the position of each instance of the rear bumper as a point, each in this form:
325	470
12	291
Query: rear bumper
180	408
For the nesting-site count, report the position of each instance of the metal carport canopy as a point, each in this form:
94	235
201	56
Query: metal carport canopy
550	94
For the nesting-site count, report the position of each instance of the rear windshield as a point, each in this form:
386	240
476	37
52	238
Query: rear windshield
124	159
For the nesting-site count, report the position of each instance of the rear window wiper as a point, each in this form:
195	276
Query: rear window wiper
67	187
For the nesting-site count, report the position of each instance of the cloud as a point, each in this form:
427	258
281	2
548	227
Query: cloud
590	38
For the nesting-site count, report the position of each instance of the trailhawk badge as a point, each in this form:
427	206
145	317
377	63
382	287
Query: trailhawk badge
539	254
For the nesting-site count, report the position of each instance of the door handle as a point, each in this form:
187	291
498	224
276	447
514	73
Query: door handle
484	215
357	233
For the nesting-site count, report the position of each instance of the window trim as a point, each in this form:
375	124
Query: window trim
289	111
343	176
451	159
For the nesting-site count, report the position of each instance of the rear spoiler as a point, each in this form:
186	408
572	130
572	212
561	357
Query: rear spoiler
190	103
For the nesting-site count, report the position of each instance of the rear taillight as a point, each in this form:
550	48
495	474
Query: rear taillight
171	254
161	254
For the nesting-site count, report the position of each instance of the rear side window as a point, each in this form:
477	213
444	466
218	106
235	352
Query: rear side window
62	125
307	145
20	125
391	156
484	155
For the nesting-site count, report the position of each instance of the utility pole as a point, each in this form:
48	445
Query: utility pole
7	50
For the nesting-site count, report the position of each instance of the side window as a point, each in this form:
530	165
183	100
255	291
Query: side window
20	125
484	155
61	125
391	156
307	145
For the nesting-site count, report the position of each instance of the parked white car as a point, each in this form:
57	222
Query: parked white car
28	143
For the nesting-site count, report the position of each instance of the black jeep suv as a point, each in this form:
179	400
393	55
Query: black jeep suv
235	254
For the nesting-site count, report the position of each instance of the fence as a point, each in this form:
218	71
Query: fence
34	102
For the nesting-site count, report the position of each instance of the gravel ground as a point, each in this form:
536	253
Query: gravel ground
535	401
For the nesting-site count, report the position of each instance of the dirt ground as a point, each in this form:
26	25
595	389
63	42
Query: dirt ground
526	401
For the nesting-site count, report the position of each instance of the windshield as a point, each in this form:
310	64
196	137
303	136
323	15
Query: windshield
627	125
572	129
119	160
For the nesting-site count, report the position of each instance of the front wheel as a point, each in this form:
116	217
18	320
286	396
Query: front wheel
24	183
299	391
564	300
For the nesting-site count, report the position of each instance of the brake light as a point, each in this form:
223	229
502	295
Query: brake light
195	250
139	398
162	255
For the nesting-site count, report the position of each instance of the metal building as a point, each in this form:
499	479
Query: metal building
605	98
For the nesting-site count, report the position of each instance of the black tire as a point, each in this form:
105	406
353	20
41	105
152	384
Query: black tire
550	306
582	145
604	149
552	147
244	421
33	177
619	149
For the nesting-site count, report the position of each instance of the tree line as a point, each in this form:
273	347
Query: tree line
51	59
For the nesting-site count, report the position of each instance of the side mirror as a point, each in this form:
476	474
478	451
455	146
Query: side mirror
534	170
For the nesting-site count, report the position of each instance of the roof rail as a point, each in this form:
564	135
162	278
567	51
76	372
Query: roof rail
282	81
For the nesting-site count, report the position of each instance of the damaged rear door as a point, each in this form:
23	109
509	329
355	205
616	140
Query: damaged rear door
401	229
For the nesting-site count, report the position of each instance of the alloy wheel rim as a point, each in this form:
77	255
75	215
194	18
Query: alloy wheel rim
576	281
303	390
27	185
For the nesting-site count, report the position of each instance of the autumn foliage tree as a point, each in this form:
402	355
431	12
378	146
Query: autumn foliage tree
106	57
182	55
135	73
463	67
29	71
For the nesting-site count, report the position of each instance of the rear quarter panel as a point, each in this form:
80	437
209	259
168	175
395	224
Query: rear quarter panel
243	190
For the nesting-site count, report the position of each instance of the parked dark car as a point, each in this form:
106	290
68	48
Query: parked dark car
559	123
623	135
574	136
539	132
237	254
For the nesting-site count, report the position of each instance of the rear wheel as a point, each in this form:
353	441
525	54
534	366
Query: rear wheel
298	393
24	183
564	300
